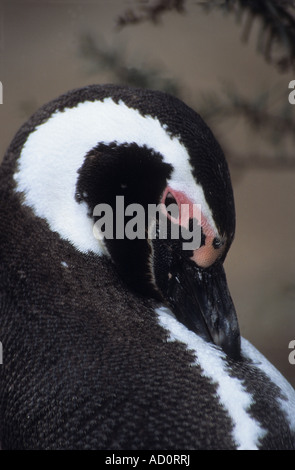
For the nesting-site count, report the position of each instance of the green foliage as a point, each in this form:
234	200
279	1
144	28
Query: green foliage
101	57
260	115
276	39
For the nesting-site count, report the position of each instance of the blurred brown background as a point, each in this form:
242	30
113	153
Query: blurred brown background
49	47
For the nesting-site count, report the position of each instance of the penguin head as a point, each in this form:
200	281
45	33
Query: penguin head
137	176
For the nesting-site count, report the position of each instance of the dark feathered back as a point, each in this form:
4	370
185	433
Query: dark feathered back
86	364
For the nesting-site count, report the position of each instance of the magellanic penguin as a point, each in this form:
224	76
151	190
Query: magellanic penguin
116	338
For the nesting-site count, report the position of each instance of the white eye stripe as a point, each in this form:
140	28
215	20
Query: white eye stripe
52	154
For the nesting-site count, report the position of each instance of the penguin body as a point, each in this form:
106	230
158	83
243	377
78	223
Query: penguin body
102	346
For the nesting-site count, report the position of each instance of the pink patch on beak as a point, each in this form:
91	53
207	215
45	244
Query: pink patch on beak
187	210
207	254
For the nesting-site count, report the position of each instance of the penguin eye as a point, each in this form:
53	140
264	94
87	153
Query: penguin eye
171	205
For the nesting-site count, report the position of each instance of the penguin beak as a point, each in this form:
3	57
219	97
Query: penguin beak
200	299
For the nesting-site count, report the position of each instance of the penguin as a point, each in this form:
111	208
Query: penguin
117	326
